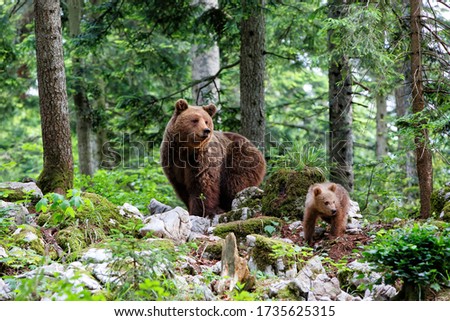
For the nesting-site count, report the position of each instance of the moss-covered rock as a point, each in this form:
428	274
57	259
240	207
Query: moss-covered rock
440	199
445	214
243	228
269	254
28	237
246	204
15	191
285	192
213	249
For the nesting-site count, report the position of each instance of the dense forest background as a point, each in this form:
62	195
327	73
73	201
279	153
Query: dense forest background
127	62
355	92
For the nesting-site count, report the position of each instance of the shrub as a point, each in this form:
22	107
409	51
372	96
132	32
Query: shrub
418	255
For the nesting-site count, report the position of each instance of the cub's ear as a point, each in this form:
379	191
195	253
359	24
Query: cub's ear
210	109
317	191
180	106
332	187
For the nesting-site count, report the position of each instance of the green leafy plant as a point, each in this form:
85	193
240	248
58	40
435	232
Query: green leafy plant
292	253
272	228
239	294
417	255
299	157
61	206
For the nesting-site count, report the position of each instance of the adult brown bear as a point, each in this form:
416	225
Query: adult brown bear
205	167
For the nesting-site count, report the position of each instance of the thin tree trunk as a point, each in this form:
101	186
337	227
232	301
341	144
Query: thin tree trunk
252	71
57	174
205	63
340	146
421	140
402	103
85	134
381	142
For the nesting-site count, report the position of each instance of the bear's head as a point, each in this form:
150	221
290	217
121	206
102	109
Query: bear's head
192	126
325	200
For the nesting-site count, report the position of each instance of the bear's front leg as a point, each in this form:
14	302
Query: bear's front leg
338	225
309	225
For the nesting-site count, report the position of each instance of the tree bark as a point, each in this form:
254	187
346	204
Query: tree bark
381	143
57	174
85	135
252	71
205	63
340	146
421	140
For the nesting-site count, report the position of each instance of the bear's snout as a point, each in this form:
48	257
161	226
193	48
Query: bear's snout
333	212
206	132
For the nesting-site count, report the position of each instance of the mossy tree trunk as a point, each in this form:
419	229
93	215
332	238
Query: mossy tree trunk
57	174
252	71
340	145
423	153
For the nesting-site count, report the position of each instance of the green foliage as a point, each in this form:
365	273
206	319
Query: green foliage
239	294
292	253
417	255
299	157
272	228
62	207
384	191
136	186
143	268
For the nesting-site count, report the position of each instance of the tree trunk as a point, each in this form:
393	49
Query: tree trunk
252	71
381	143
340	147
205	63
402	103
86	138
57	174
421	140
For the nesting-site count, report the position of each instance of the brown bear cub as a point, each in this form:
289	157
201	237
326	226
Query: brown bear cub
205	167
330	202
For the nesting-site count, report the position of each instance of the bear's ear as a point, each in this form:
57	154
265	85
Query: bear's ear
332	187
317	191
210	109
180	106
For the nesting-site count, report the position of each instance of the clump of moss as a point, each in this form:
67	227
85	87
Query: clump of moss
264	253
71	239
285	191
243	228
213	249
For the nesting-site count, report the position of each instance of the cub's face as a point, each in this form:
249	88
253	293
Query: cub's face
193	124
326	200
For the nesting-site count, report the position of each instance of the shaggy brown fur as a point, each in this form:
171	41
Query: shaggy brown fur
205	167
329	201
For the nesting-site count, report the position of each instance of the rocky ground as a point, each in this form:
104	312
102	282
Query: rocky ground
239	255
